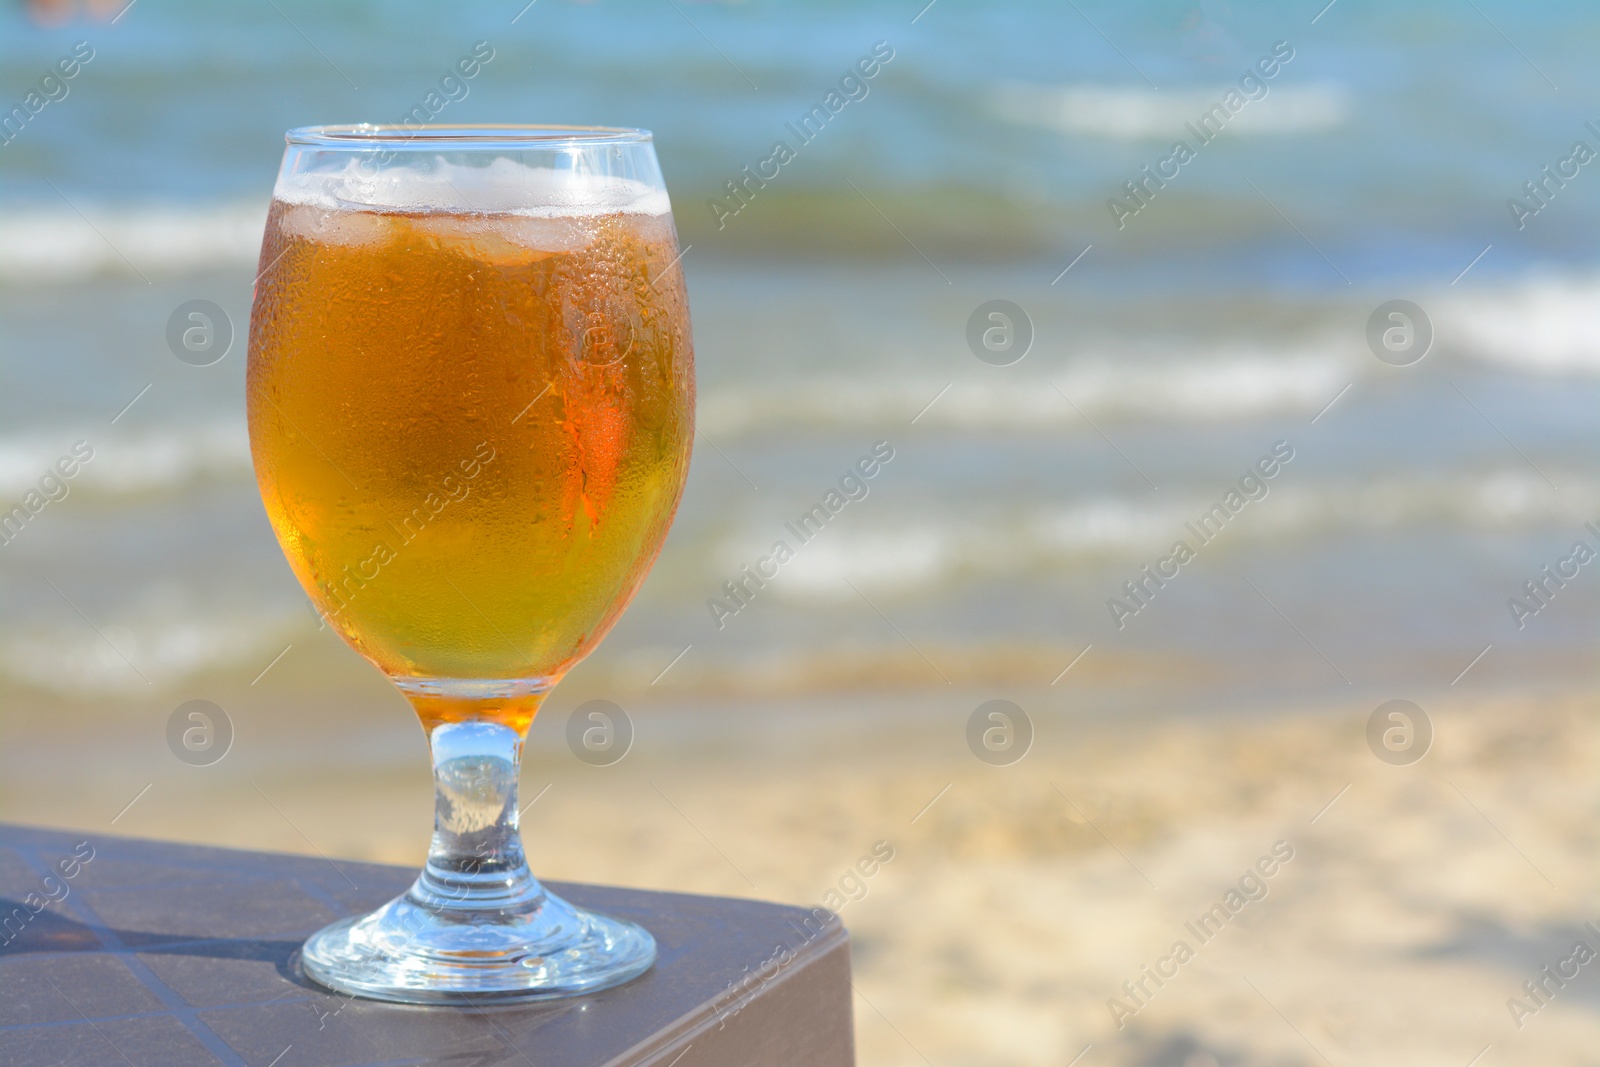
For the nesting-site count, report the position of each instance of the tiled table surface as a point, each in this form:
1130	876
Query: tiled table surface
159	955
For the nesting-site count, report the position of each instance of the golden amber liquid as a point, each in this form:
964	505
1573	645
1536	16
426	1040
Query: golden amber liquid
470	431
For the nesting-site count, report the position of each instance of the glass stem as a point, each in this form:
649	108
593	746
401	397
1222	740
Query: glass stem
476	863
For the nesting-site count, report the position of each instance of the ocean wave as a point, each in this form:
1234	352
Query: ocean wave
921	549
1134	114
61	245
127	463
1548	324
890	665
145	649
1202	388
920	553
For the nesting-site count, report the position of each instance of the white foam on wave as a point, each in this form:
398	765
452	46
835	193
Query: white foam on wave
1207	387
504	186
167	637
1133	114
57	245
127	462
145	645
921	553
1544	325
50	244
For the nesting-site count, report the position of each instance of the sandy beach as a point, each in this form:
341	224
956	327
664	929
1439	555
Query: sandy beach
1414	903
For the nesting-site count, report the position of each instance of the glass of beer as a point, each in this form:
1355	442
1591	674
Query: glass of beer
471	396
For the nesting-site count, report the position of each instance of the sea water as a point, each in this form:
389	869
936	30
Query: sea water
1186	320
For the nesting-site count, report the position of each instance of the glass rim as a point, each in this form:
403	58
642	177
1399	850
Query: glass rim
366	135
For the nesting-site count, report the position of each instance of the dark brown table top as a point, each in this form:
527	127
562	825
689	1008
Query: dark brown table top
170	955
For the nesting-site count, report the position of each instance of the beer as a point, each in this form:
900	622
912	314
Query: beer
470	429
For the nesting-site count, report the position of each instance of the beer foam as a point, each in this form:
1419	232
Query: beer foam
505	186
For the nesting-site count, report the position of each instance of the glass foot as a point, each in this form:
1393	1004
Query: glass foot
412	953
476	926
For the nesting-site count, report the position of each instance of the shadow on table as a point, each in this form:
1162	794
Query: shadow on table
48	932
24	932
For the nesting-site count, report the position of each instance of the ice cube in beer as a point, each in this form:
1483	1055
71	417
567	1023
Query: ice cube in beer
499	239
351	229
